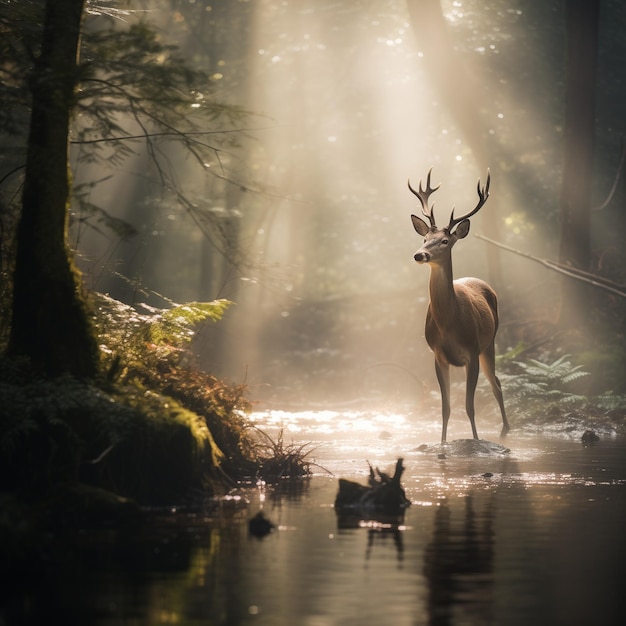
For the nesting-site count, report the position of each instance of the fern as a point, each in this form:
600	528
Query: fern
178	325
575	374
540	384
154	335
560	370
610	401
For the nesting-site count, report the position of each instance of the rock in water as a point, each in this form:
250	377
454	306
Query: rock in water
259	525
465	447
589	437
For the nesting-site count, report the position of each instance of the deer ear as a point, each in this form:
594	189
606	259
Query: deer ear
420	225
462	229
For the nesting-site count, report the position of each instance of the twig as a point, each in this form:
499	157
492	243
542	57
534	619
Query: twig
8	174
99	458
169	133
618	176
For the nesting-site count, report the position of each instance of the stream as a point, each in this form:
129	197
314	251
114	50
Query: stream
535	535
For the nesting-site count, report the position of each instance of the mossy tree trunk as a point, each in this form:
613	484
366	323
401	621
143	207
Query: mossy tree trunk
50	324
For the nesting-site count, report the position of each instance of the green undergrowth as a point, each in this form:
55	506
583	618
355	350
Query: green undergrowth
556	390
152	428
147	356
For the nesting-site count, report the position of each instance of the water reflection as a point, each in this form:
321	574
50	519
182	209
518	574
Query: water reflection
381	535
459	561
533	537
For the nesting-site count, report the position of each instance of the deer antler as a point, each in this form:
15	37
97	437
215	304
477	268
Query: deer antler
423	195
483	194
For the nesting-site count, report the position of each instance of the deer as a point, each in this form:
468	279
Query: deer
462	316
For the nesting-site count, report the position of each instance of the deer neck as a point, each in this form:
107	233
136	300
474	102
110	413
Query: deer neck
442	297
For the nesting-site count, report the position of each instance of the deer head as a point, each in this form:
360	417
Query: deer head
438	242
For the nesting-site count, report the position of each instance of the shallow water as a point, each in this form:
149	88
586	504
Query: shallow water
533	536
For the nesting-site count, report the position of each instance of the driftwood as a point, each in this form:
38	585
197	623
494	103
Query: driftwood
382	499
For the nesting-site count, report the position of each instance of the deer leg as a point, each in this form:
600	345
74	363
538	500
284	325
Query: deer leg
443	376
488	364
472	370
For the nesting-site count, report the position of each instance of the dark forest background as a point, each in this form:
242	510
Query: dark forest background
258	151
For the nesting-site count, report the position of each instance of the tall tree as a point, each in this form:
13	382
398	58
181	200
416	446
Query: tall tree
49	321
581	20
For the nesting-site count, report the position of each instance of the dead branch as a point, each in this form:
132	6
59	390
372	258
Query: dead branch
618	176
571	272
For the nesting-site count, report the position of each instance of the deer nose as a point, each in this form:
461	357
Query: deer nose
422	257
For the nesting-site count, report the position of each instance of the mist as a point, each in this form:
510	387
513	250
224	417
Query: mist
303	218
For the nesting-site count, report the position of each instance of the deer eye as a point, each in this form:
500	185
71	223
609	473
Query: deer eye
445	242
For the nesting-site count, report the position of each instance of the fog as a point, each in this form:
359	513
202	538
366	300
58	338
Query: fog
303	220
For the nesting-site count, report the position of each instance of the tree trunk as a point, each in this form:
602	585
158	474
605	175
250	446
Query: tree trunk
50	324
582	18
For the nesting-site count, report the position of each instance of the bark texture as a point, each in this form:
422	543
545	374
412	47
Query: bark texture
50	324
